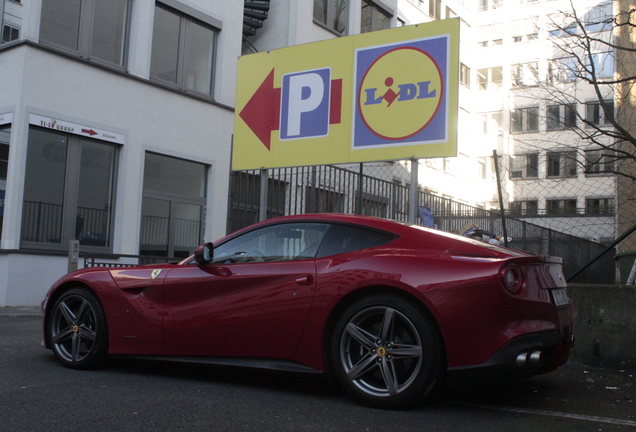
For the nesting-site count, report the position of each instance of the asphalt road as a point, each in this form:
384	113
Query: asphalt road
38	394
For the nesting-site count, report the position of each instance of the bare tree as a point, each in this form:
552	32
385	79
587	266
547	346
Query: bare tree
595	50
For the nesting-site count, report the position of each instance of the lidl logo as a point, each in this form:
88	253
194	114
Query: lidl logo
401	95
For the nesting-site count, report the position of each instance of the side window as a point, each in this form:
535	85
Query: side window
284	242
347	238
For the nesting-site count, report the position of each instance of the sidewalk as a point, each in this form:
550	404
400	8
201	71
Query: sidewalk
20	311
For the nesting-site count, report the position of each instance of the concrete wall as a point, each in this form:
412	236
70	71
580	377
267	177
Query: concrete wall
604	325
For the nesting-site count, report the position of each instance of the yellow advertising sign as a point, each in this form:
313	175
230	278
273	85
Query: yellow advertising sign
384	95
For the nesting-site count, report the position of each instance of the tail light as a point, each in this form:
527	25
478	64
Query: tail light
512	278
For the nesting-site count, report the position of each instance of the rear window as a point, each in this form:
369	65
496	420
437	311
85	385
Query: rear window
347	238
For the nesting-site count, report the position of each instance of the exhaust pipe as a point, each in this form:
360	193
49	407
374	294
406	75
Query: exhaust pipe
528	360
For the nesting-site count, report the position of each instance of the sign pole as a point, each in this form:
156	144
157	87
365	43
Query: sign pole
360	186
262	202
413	189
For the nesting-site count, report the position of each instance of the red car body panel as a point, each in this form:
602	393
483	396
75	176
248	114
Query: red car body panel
282	310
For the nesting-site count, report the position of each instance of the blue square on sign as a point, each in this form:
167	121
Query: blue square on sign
305	99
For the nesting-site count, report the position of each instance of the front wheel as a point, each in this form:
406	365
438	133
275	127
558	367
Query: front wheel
387	352
77	330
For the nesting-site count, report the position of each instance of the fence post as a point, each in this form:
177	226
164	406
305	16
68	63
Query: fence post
360	187
262	201
73	255
413	195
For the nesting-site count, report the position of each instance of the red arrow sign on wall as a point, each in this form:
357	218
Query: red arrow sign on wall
262	112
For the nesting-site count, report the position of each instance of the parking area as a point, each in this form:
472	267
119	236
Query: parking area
37	393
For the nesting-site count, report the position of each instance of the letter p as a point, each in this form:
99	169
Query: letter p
305	104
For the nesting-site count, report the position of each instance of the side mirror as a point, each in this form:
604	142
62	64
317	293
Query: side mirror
204	253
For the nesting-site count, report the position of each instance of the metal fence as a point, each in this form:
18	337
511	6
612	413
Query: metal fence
331	189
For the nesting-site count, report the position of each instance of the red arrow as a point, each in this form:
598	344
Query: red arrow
262	112
89	131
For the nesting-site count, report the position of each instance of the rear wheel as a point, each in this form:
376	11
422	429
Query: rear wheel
386	352
77	330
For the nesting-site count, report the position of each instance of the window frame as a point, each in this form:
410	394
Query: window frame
464	75
527	125
330	17
254	234
175	199
560	164
597	117
606	206
187	18
486	78
566	206
560	117
530	162
599	162
525	74
85	37
492	119
70	200
375	10
528	207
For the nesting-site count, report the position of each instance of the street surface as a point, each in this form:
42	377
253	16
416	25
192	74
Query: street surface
39	394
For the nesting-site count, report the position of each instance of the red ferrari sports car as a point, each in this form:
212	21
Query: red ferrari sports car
387	308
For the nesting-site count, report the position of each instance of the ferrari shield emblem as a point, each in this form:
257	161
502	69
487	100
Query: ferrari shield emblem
155	273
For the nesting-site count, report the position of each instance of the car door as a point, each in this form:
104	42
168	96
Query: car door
252	300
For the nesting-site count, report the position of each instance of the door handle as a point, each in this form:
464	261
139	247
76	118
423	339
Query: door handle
305	280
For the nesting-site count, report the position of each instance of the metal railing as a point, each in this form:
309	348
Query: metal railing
329	189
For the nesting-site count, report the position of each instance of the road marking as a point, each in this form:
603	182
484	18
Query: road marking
548	413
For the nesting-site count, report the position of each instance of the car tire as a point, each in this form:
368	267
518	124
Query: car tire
387	352
78	333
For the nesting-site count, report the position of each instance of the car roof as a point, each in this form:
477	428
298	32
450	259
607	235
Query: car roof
414	235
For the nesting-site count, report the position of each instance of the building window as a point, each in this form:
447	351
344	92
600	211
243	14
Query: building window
490	79
599	18
524	208
172	211
524	75
10	33
524	166
183	50
562	70
556	207
68	191
599	161
92	29
332	14
562	164
560	117
491	123
524	120
482	44
599	206
5	135
600	65
595	115
566	30
464	75
373	18
435	9
485	5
